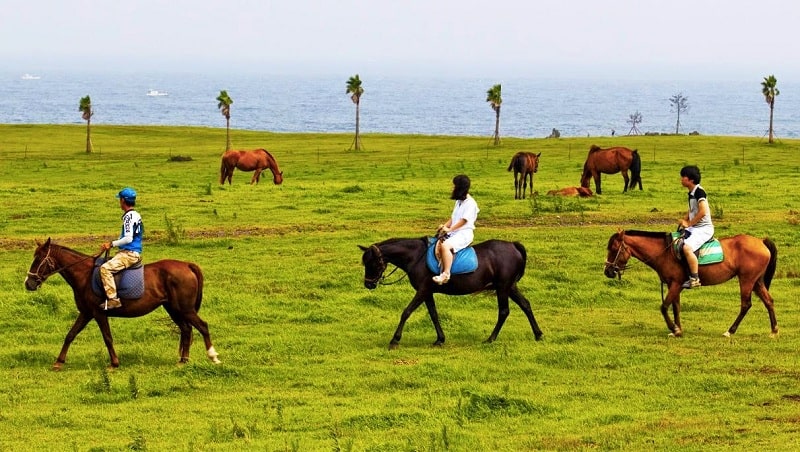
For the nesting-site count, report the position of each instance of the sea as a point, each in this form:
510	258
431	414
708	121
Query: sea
452	105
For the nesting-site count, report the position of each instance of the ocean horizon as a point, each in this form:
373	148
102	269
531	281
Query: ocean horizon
531	107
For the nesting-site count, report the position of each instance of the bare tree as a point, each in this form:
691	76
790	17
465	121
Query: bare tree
634	119
679	103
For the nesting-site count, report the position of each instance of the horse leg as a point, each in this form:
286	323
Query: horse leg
185	343
77	327
673	299
531	176
626	180
431	305
502	314
525	305
763	293
525	184
516	185
596	176
412	306
746	302
105	330
194	319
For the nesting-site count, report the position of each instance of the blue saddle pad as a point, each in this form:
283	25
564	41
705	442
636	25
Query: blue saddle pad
709	253
130	282
466	261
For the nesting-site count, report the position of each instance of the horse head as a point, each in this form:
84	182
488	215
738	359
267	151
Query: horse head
618	255
277	177
42	267
374	266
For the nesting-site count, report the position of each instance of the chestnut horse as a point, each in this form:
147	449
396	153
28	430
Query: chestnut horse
611	161
748	258
256	160
175	285
526	164
500	265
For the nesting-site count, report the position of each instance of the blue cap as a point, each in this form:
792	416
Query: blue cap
127	193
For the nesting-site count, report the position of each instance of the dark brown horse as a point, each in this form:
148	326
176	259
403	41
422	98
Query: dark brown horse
748	258
175	285
524	164
611	161
500	265
256	160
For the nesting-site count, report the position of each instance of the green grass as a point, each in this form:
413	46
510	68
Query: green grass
304	344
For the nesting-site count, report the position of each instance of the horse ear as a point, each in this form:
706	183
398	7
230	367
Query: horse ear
363	248
47	243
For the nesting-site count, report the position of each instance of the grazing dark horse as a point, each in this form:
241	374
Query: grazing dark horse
256	160
611	161
524	164
500	265
175	285
748	258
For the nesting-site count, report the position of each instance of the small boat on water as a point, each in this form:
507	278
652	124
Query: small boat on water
30	77
155	92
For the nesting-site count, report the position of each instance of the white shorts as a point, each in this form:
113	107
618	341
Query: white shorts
698	237
459	240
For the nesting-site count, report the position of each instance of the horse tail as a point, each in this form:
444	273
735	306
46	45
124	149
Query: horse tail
773	262
521	248
513	162
199	275
636	168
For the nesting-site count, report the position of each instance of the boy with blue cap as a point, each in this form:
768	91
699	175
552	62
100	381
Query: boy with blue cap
129	243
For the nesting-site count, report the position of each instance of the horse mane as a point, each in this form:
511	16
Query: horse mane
651	234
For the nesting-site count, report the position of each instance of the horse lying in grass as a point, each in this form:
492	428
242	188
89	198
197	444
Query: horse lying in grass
583	192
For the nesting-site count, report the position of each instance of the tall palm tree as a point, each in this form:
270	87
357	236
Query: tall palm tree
769	91
495	99
85	107
355	90
224	105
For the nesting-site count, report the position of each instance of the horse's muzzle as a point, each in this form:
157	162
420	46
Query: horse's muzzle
610	271
32	284
370	284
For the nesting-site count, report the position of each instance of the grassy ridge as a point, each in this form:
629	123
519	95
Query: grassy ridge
303	344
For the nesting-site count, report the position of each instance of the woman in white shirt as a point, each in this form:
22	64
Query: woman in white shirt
458	232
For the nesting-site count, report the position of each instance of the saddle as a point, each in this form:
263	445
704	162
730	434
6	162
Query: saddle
130	282
465	261
709	253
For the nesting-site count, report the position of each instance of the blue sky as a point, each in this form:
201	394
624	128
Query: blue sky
617	39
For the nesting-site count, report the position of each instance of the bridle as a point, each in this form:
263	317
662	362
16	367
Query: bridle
614	265
382	265
50	263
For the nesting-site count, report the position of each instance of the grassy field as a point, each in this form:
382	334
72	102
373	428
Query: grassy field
304	344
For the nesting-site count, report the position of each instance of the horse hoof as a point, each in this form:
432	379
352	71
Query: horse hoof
437	344
727	334
56	367
394	346
773	335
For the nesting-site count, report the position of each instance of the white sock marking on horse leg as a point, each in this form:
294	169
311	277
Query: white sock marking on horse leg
212	355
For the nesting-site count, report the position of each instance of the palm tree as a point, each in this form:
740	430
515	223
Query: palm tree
85	107
224	106
354	88
769	91
495	99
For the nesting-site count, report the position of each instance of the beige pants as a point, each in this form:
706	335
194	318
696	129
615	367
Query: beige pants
122	260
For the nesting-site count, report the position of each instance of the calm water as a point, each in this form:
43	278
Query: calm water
436	106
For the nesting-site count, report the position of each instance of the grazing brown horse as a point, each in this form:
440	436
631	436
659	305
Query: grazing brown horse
611	161
256	160
524	164
748	258
500	265
175	285
583	192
